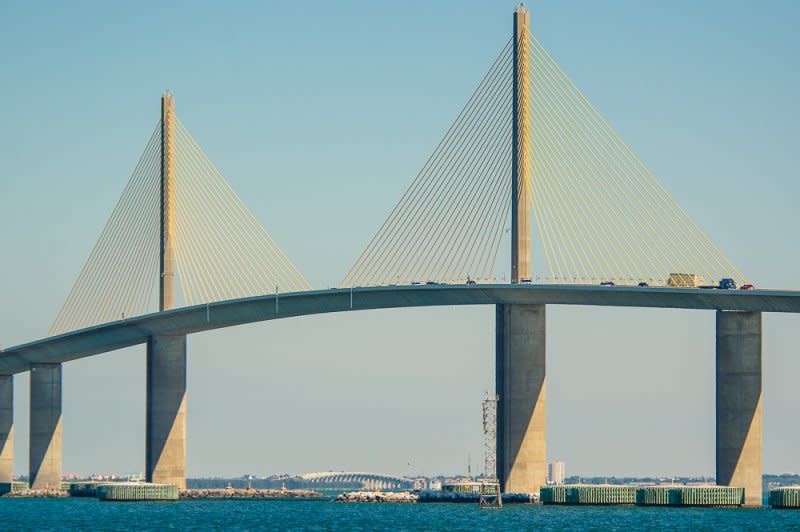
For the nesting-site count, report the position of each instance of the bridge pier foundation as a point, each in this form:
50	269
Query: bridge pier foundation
521	387
738	431
165	445
45	426
6	428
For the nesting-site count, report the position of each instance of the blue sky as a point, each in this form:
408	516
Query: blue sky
319	114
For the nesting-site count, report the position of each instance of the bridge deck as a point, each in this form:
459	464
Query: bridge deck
133	331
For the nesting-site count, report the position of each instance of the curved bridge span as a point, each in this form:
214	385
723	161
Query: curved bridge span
527	146
519	368
187	320
363	480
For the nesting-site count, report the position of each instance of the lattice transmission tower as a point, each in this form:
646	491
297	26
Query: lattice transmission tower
490	496
489	408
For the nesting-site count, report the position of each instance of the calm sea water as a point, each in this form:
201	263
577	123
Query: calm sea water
91	514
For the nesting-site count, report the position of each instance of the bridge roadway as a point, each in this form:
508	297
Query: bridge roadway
132	331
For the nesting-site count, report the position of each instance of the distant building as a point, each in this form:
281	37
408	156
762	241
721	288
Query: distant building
556	472
462	487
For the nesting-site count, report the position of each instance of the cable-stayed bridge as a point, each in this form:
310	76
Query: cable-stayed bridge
530	199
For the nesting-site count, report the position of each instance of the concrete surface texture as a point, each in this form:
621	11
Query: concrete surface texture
165	439
521	151
6	427
45	426
521	386
166	299
739	402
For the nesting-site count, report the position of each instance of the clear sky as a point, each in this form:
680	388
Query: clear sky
319	114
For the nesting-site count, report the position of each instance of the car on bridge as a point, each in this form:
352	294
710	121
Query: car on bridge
727	284
747	287
607	283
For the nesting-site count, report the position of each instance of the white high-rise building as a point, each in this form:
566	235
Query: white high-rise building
556	472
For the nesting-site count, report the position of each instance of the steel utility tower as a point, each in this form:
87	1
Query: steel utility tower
489	410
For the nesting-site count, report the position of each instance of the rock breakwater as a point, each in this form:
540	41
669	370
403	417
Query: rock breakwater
234	493
37	494
378	496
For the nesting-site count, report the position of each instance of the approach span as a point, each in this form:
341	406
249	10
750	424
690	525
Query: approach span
132	331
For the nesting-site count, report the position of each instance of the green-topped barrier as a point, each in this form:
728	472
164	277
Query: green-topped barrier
786	497
132	491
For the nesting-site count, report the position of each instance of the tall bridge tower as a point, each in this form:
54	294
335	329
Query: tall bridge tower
166	289
165	439
521	150
520	329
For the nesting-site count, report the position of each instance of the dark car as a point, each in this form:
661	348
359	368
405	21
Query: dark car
643	285
727	284
431	283
607	283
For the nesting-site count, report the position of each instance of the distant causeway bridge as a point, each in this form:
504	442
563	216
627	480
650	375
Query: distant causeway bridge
373	481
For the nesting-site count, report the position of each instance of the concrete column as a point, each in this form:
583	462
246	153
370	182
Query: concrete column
166	297
521	387
6	428
45	427
739	402
165	445
521	150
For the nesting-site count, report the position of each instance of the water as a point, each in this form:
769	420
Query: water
91	514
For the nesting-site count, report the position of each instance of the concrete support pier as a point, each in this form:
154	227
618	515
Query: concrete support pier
6	428
45	427
165	445
739	403
521	387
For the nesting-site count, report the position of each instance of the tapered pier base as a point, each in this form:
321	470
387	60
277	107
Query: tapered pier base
739	403
165	446
6	428
45	427
521	387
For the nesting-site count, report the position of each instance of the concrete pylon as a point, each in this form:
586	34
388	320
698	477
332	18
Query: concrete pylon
521	150
165	424
45	426
6	428
738	434
166	293
521	407
520	329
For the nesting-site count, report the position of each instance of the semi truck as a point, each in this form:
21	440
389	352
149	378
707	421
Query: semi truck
684	280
